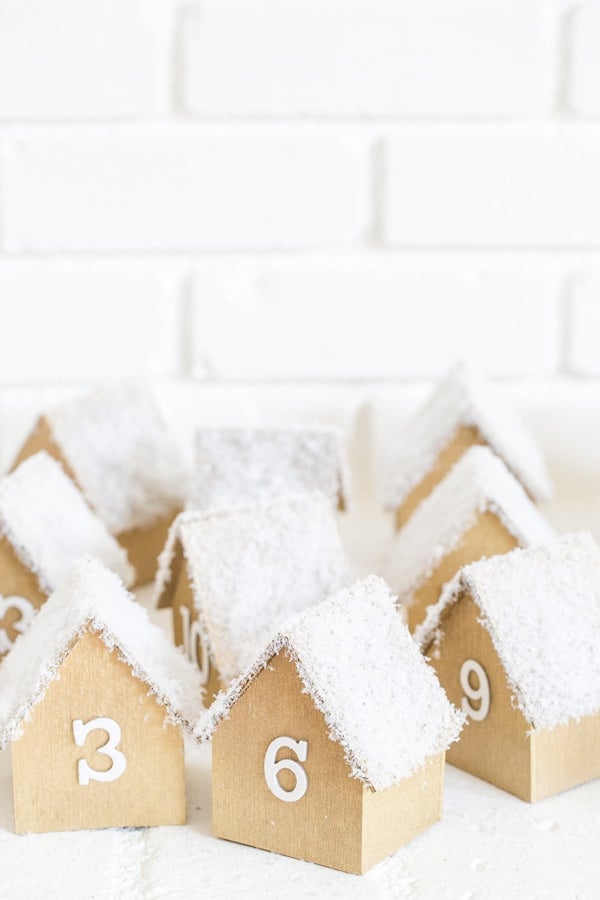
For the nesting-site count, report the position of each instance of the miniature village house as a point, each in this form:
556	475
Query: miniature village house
515	642
235	466
462	412
45	526
115	446
478	510
330	748
233	576
93	698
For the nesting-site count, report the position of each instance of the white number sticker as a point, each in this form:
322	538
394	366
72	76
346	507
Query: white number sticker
480	694
193	644
119	763
273	768
26	613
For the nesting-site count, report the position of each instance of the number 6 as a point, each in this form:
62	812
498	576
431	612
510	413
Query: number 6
119	762
272	768
481	693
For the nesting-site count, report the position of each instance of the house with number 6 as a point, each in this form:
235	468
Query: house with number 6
515	642
93	699
330	747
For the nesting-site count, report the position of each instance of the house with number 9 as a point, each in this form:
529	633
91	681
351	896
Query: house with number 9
515	642
233	576
330	747
93	699
45	525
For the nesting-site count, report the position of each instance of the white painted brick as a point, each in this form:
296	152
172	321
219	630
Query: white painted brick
60	322
185	190
513	187
376	319
584	326
81	58
584	76
367	57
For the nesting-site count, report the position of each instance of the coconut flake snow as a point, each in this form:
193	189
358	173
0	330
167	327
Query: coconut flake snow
381	701
92	598
541	607
49	525
251	568
477	483
120	452
247	465
464	398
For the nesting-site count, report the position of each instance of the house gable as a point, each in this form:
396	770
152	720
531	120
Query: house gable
17	584
186	633
93	682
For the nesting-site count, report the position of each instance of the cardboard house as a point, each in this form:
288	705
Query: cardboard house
233	576
93	699
45	526
115	446
462	412
515	642
236	466
330	747
478	510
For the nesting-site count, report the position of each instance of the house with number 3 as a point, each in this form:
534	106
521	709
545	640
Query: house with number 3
515	642
93	699
330	748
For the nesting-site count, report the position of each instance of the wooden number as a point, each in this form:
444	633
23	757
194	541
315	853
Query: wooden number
26	614
480	694
193	644
272	768
119	763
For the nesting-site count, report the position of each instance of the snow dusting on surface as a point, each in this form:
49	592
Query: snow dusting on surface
381	701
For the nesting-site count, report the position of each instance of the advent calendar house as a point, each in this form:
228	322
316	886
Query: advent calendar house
115	446
94	698
463	411
233	576
236	466
479	509
330	748
45	526
515	642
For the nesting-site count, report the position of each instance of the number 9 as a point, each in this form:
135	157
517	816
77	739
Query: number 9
480	693
272	768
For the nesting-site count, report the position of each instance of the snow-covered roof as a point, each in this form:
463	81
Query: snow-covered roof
252	567
464	398
120	452
541	607
380	699
49	525
477	483
246	465
93	598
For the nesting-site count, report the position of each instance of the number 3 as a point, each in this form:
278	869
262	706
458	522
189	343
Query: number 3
480	693
119	763
272	768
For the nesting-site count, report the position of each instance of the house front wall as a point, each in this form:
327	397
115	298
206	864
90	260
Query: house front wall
279	782
97	750
186	634
20	597
494	745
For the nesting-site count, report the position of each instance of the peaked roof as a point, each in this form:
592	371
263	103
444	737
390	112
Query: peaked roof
477	483
380	699
94	598
49	525
464	398
252	567
541	607
247	465
121	455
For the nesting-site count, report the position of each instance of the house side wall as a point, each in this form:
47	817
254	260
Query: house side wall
487	537
464	437
93	683
565	756
196	651
393	817
324	825
143	546
496	749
